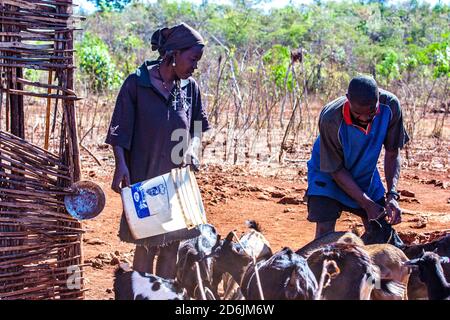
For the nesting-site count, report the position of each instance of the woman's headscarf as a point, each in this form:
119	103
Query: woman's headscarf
178	37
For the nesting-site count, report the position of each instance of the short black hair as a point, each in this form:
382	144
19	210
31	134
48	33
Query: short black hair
363	90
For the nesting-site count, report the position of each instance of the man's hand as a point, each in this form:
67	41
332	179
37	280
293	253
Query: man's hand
394	213
121	178
373	210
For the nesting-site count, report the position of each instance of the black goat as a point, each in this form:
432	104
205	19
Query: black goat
431	273
441	245
198	250
284	276
416	288
380	231
230	257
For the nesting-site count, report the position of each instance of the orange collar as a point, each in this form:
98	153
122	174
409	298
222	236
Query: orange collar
348	117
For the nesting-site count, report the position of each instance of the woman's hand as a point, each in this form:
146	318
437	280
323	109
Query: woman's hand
121	177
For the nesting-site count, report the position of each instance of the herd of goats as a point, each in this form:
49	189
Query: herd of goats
337	266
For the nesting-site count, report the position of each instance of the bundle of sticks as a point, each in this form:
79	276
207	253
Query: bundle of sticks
38	35
40	243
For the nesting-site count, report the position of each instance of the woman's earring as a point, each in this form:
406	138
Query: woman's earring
173	63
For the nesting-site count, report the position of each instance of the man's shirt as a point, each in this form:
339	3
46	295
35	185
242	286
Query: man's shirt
343	144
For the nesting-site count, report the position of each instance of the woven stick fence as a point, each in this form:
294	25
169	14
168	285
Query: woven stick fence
40	243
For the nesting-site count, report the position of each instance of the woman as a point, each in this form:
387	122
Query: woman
154	105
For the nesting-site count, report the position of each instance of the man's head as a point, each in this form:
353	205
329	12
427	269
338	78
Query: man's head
363	97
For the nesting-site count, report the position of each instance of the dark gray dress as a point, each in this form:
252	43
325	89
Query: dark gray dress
142	123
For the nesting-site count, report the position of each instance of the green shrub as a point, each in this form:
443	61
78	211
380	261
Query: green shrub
277	60
95	61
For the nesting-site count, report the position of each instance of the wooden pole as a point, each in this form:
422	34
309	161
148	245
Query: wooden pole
47	115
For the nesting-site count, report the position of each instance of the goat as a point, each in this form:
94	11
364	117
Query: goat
355	280
380	231
133	285
416	288
394	275
193	252
389	259
331	237
284	276
231	259
254	241
432	274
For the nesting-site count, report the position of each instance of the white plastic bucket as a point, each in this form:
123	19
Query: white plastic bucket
163	204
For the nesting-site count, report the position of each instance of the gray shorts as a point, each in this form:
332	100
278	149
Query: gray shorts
324	209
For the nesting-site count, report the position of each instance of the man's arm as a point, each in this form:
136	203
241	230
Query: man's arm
392	164
345	181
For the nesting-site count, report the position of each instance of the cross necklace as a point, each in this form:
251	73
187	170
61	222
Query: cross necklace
174	96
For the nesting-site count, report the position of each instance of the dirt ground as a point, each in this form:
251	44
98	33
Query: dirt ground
233	194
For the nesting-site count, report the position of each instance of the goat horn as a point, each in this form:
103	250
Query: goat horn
230	236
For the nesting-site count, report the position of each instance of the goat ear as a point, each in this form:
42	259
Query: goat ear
444	260
229	237
411	263
333	269
125	267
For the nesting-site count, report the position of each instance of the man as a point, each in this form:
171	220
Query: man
342	171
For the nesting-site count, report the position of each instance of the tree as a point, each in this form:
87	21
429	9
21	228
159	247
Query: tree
111	5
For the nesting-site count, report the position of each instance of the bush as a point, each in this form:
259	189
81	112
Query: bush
96	62
277	59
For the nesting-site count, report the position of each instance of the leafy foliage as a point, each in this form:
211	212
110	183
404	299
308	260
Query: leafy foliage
95	60
403	45
111	5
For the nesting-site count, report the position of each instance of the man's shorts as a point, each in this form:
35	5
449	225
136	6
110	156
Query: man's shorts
324	209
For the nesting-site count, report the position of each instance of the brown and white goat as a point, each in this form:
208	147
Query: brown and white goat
331	237
394	275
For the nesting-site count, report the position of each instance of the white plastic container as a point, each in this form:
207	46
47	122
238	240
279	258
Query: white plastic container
163	204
